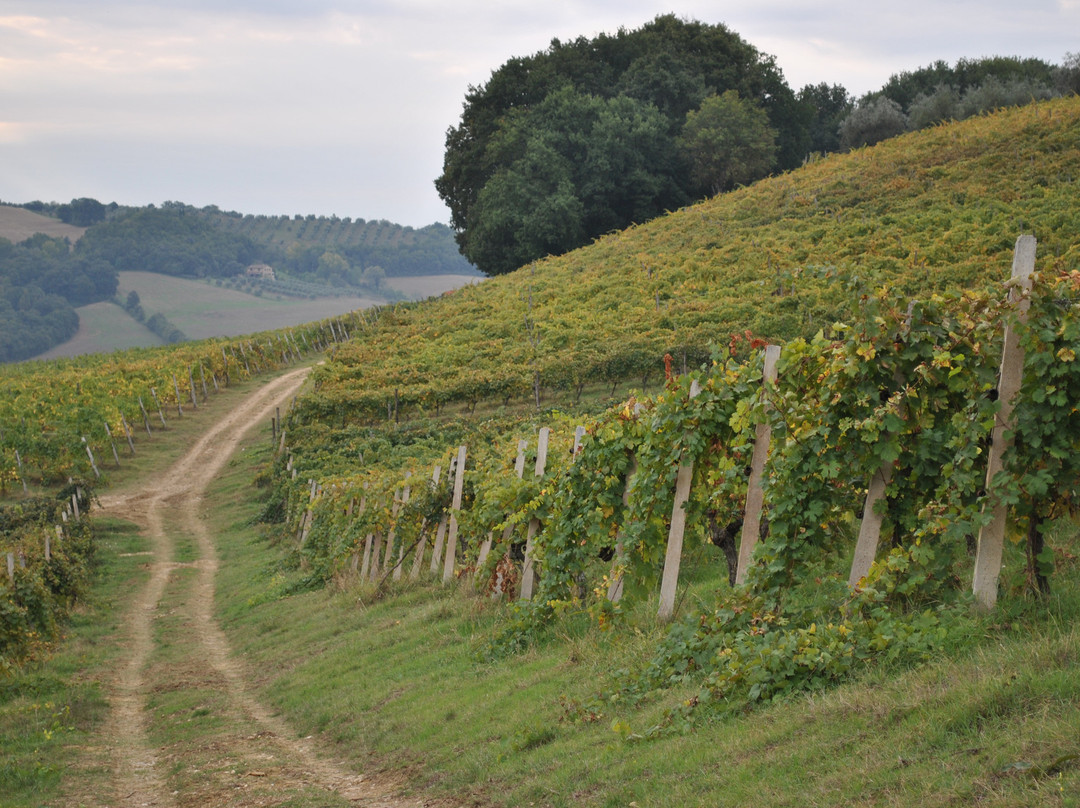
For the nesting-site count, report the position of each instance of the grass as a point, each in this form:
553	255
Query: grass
104	327
50	710
396	684
201	310
18	224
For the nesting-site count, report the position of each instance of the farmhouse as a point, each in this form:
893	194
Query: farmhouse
260	271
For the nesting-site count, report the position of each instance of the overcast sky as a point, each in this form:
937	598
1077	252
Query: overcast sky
342	106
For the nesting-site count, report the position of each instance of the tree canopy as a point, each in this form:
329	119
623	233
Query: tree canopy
588	137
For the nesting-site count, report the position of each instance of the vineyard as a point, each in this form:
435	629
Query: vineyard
907	392
883	274
65	423
805	436
934	211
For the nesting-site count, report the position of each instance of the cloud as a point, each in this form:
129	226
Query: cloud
321	106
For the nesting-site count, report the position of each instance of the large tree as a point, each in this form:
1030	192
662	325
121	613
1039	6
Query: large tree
728	141
583	138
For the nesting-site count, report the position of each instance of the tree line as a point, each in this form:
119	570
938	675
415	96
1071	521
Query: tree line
43	279
594	135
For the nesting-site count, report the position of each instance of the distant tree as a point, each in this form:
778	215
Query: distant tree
332	268
81	212
1067	75
374	277
996	94
942	104
570	143
828	106
133	306
873	120
904	88
728	142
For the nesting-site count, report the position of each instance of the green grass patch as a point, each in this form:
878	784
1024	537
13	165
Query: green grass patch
398	683
50	709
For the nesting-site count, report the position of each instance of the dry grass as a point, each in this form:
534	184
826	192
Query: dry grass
18	224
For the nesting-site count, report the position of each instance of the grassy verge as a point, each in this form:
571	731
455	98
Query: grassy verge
50	709
396	684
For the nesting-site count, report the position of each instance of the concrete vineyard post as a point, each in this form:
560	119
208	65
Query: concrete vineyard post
401	549
440	533
90	454
615	579
992	536
22	477
528	569
870	527
519	470
176	389
451	537
365	567
116	454
376	547
191	388
440	541
128	433
755	495
391	534
161	415
579	434
673	556
145	417
421	546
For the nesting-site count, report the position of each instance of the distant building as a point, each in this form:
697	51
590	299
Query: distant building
260	271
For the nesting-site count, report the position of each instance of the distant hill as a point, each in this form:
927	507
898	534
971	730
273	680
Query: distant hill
49	268
398	249
18	224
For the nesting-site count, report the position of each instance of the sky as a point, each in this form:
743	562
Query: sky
341	107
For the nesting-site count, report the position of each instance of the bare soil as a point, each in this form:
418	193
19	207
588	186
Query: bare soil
247	755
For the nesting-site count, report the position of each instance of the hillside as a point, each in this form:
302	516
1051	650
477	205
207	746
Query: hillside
795	687
934	210
51	273
18	224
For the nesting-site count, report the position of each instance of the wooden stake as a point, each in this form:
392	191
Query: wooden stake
115	454
418	558
128	433
755	495
451	539
176	387
992	537
673	556
615	580
528	570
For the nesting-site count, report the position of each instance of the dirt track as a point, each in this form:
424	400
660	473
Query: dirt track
251	757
